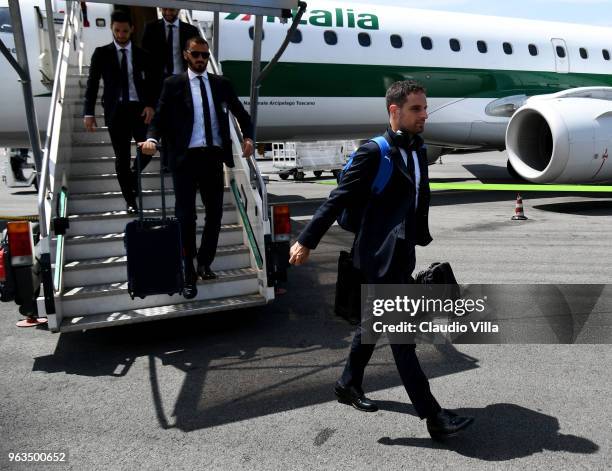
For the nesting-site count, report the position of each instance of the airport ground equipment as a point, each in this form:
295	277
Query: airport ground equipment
297	158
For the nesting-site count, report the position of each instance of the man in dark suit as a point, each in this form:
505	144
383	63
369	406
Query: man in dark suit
192	119
392	223
130	84
165	40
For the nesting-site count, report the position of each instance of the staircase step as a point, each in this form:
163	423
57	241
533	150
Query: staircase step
102	149
103	165
100	136
95	271
80	203
112	297
107	182
135	315
110	245
115	221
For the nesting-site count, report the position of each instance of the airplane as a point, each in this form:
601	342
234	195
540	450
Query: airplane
541	90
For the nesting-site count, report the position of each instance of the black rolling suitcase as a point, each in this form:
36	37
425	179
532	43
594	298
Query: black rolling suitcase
154	250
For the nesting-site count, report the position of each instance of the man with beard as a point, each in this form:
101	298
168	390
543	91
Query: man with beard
192	120
165	39
392	222
130	95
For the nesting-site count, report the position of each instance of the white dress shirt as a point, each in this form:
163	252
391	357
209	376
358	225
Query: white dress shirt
417	182
132	87
198	134
417	172
177	52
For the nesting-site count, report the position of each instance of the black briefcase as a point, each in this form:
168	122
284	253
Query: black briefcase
154	250
440	273
347	303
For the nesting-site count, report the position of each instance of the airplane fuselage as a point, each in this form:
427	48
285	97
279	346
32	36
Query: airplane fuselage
466	62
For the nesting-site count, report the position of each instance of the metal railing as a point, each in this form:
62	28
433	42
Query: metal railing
56	165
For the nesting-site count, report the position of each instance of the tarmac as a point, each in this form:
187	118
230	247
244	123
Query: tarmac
254	389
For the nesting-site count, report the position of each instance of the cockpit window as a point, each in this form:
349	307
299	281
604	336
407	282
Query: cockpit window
5	21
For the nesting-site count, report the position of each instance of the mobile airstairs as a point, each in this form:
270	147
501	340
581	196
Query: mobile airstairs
86	216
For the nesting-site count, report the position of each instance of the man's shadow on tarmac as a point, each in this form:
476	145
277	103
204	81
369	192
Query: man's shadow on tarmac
500	432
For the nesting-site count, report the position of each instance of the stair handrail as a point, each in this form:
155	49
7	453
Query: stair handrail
50	180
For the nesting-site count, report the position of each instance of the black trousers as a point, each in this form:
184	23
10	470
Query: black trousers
203	169
127	123
414	380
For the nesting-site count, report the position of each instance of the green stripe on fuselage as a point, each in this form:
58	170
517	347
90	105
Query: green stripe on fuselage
293	79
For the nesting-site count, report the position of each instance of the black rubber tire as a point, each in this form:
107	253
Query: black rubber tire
298	175
318	173
283	176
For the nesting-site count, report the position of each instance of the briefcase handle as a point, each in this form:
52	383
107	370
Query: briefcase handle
161	175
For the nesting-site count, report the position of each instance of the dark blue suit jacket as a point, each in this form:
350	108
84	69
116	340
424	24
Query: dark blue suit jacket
383	214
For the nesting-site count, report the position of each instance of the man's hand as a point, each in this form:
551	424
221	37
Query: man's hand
90	123
148	147
148	114
247	147
298	254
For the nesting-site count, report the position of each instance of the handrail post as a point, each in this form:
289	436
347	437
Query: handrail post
24	75
51	28
216	24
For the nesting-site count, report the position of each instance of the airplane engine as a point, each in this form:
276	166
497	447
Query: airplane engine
563	138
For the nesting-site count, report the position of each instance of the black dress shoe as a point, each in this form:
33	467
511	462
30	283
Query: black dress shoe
206	273
354	397
446	424
190	290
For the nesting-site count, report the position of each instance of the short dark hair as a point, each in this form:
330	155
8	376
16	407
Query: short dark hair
195	40
120	16
398	92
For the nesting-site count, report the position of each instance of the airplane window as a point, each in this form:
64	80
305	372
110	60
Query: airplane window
427	43
364	39
560	51
533	50
296	37
5	21
507	48
455	45
330	37
606	54
482	47
583	53
100	22
252	33
396	41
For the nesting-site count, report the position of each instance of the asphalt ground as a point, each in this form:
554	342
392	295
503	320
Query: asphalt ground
254	389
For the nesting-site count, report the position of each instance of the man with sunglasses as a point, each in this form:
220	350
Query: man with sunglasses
192	119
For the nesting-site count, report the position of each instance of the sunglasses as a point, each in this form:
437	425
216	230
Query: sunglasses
196	54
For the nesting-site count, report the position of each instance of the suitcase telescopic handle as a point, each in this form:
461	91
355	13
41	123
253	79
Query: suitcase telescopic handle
139	179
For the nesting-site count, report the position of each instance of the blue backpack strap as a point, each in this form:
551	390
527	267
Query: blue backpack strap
385	168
